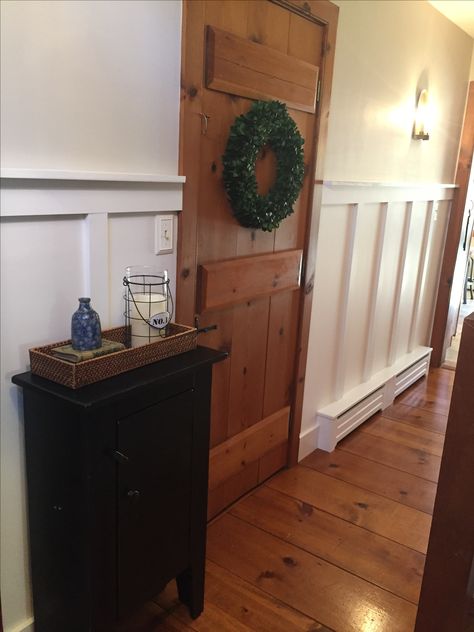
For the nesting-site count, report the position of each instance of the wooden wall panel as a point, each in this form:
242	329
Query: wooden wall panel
235	281
239	66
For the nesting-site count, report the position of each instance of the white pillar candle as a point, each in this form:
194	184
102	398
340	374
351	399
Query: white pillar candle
145	306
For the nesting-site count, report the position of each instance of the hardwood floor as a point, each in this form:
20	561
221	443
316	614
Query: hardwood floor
335	543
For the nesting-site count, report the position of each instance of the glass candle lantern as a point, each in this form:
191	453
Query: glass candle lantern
148	304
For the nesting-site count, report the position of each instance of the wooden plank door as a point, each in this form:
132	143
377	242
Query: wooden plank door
248	282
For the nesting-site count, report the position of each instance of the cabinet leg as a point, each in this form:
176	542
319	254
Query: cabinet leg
191	590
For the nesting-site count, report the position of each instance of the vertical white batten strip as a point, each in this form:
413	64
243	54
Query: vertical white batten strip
438	271
399	284
344	302
374	291
420	275
97	265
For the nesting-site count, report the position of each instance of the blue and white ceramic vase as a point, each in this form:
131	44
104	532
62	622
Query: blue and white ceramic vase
85	327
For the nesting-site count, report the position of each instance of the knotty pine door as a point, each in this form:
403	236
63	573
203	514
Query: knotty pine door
247	282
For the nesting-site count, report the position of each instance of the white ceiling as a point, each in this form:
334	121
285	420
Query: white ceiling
461	12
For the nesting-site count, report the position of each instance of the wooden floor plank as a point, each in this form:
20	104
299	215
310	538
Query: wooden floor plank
320	590
404	488
411	460
380	515
421	399
433	394
417	417
334	544
368	555
153	618
235	604
404	434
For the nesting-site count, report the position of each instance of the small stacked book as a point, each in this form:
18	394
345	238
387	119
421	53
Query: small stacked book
66	352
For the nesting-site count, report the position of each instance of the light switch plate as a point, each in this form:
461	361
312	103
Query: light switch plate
163	234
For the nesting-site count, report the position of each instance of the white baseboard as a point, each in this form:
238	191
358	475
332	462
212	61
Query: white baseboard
308	441
24	626
343	416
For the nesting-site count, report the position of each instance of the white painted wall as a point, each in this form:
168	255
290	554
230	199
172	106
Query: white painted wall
86	86
385	53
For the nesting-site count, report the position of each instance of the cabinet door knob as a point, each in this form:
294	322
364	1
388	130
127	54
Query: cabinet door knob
120	457
133	494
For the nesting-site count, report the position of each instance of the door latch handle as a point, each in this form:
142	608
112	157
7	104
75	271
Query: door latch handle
204	122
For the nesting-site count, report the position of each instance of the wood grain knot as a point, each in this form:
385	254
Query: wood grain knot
333	465
266	575
281	331
305	509
289	561
362	505
213	167
192	91
185	272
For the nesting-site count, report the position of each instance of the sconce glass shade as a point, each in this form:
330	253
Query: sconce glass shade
420	128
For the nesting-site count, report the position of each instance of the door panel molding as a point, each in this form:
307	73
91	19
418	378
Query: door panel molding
230	282
248	69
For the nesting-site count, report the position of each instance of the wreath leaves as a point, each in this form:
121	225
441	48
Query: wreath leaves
266	123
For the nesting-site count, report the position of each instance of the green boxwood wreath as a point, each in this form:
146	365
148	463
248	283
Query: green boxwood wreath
266	123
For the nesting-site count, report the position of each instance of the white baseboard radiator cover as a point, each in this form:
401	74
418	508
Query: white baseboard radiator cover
339	418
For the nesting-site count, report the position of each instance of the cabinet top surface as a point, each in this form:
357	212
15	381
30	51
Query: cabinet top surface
114	387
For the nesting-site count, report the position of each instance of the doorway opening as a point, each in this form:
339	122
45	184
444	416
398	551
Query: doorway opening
462	293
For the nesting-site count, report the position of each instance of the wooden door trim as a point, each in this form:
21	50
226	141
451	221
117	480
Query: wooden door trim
325	13
450	553
322	12
453	236
190	126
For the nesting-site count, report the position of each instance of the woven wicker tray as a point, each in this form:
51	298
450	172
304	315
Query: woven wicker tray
180	339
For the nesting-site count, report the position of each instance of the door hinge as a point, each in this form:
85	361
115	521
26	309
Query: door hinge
318	91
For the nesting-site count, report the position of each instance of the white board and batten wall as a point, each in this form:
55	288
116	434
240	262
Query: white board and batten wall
90	136
377	270
386	201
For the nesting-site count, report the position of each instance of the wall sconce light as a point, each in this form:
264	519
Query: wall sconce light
420	128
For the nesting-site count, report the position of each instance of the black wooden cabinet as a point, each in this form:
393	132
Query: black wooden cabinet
117	491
